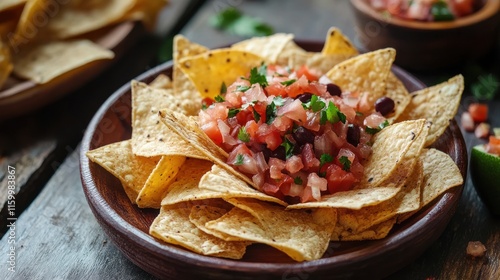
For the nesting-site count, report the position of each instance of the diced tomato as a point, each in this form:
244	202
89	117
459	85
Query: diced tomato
493	146
217	111
244	116
251	128
294	111
309	74
207	101
234	98
269	135
276	89
298	87
212	130
339	179
462	7
311	163
283	123
255	93
478	112
259	108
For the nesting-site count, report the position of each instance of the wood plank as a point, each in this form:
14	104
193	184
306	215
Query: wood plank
58	236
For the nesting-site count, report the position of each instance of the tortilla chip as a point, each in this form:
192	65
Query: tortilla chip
173	226
365	74
267	47
190	131
183	87
290	49
378	231
147	12
27	28
337	43
302	235
220	180
389	147
437	104
44	62
118	159
209	71
440	174
162	81
158	181
8	4
202	214
80	17
396	90
150	137
316	61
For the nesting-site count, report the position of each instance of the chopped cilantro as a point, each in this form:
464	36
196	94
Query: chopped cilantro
298	181
256	115
243	135
346	163
288	82
288	147
258	76
270	113
239	159
325	158
371	130
219	98
223	88
232	112
242	88
332	114
315	104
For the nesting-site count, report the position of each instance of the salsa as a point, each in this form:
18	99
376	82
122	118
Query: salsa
426	10
296	134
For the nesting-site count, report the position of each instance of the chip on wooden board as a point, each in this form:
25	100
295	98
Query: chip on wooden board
46	61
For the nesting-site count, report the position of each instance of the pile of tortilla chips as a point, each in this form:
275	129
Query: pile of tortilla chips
211	209
43	39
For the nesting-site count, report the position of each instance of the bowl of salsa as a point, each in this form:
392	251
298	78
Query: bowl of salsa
428	34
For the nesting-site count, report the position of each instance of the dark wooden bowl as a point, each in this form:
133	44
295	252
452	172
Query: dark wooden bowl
18	96
429	45
127	226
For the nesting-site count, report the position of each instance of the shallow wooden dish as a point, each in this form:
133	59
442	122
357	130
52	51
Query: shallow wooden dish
127	226
429	45
18	97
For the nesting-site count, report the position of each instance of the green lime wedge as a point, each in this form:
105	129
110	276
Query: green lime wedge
485	175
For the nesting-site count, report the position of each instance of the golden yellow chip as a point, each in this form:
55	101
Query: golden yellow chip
302	235
150	137
118	159
173	226
267	47
437	104
44	62
337	43
27	28
159	181
365	74
202	214
162	81
315	61
211	70
146	11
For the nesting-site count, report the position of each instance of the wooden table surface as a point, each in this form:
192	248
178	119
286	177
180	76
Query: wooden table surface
57	237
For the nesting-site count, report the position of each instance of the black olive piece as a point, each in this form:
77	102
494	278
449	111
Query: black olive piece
279	153
266	152
353	134
303	136
384	105
304	97
333	89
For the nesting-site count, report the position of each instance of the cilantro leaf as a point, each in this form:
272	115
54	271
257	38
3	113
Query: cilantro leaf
270	113
297	180
235	22
223	88
346	163
239	159
288	147
243	135
256	115
332	114
232	112
288	82
485	88
315	104
325	158
371	130
219	98
258	76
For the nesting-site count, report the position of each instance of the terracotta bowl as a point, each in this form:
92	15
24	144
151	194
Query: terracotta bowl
127	225
429	45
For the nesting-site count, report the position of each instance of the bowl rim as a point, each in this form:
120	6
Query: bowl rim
490	9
